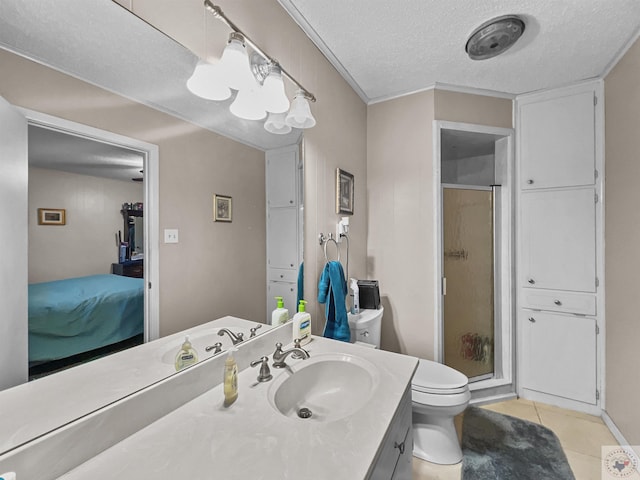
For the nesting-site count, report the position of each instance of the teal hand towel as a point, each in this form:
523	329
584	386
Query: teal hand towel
332	290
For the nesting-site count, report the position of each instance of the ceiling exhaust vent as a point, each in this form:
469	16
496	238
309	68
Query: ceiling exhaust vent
494	37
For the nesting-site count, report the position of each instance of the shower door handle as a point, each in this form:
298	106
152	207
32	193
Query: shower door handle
444	286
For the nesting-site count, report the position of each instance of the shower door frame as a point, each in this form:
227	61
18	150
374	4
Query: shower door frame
502	381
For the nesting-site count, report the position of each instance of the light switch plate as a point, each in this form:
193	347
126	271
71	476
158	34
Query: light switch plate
170	235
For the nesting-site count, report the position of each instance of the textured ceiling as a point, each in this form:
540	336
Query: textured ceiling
386	49
55	150
104	44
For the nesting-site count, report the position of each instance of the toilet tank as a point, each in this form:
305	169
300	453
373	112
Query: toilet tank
365	326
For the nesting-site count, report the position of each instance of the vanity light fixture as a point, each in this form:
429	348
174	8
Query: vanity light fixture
257	79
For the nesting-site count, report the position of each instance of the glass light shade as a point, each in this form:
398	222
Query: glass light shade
299	115
249	104
276	123
235	64
208	82
275	98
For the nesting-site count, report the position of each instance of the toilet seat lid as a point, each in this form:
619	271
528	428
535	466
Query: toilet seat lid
433	377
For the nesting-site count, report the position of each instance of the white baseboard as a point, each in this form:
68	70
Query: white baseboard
492	399
621	440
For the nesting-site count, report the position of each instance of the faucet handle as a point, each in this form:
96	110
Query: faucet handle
217	346
253	330
265	373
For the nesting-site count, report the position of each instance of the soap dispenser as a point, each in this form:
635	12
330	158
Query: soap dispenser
302	324
280	315
230	378
186	356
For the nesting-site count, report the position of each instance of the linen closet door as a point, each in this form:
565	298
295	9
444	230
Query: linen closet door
468	266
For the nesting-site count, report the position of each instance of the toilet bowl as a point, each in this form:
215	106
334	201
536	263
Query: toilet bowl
438	394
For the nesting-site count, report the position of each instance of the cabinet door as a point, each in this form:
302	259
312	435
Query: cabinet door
557	142
282	174
282	238
558	239
559	356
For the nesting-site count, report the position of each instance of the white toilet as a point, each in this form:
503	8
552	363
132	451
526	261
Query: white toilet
438	394
365	327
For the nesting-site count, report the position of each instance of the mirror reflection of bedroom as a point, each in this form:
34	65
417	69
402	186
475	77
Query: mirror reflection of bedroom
86	250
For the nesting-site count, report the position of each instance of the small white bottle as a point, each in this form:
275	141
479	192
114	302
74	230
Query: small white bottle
355	307
186	356
280	315
302	324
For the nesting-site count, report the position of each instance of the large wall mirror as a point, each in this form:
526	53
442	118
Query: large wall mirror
100	239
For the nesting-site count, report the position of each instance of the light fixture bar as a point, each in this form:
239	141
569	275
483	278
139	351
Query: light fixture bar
217	12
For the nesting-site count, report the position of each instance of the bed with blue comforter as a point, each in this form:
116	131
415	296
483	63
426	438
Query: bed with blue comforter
77	315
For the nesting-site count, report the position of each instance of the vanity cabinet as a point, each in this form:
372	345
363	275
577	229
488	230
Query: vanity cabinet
284	226
559	138
394	461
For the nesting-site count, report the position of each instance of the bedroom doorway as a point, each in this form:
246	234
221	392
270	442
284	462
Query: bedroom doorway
106	187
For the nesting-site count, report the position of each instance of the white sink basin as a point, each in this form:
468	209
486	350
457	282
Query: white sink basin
329	387
201	340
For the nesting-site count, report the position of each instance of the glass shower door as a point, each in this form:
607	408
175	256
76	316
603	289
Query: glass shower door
468	266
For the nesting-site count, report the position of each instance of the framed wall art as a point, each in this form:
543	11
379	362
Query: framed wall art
344	192
52	216
222	211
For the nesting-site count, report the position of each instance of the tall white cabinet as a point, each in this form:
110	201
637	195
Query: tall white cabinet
560	167
284	226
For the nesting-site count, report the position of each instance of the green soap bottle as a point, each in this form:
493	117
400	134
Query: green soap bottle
280	315
302	324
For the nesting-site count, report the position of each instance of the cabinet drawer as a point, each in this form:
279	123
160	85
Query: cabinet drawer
554	301
282	275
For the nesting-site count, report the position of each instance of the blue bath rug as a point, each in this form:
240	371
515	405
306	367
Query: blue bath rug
500	447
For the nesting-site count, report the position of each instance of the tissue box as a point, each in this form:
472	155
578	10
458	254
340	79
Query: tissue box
369	294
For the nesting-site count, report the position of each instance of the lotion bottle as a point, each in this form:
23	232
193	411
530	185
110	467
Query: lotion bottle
302	324
280	315
230	378
355	307
186	356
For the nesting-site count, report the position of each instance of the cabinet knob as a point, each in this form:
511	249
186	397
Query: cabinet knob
557	302
291	265
529	182
290	201
399	446
532	320
281	276
531	281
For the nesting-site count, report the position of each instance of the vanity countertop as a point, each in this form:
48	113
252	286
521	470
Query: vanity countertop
251	440
33	409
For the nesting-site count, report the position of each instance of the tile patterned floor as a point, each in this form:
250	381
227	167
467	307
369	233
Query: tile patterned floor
581	436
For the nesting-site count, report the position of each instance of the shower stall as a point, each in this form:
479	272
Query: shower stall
474	249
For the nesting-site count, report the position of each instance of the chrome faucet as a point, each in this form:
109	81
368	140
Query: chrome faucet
279	356
216	346
235	338
253	330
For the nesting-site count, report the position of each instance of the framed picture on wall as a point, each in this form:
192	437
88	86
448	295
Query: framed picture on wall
222	211
52	216
344	192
